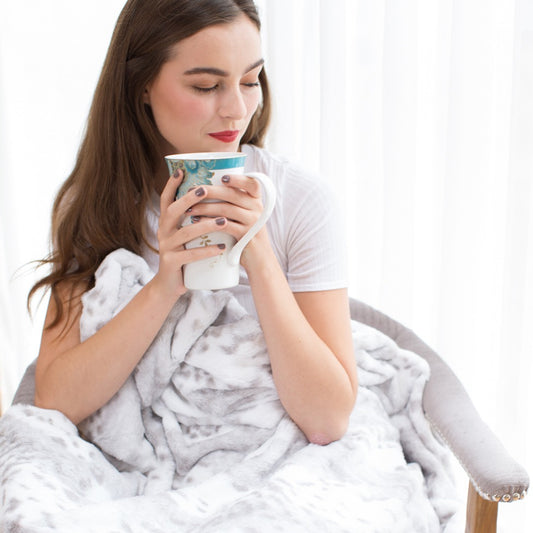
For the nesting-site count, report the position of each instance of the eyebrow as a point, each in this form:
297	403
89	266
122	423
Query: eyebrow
219	72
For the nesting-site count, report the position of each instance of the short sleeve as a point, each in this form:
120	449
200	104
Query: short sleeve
315	238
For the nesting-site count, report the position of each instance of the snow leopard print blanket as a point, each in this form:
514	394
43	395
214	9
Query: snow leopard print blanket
197	440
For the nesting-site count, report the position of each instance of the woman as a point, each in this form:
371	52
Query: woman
187	76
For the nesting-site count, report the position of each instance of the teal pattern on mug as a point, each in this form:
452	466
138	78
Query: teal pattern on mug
201	172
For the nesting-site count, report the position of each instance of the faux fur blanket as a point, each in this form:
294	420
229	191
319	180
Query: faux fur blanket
197	440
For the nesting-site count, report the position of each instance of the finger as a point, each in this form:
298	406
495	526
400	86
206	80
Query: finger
244	183
245	215
196	230
172	217
230	195
235	222
169	192
236	229
202	252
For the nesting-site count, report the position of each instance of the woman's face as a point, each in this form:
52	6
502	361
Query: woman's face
205	96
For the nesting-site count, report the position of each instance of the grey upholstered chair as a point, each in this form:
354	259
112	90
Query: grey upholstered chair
494	476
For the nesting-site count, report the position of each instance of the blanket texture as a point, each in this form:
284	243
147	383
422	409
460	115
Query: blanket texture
197	440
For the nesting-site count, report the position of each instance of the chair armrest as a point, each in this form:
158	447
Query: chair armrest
492	471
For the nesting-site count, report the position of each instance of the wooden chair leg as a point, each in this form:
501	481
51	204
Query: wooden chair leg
481	514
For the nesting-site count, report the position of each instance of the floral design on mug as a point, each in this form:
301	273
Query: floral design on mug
205	240
195	173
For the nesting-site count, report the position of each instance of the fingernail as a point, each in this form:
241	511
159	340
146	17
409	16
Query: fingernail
176	173
200	192
225	179
220	221
222	246
189	210
195	219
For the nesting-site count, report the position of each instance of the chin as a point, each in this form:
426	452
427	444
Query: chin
224	148
236	148
212	146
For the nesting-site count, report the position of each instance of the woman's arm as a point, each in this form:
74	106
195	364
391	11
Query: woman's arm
76	377
307	334
309	341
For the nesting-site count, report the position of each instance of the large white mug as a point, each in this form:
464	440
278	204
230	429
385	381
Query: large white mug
208	168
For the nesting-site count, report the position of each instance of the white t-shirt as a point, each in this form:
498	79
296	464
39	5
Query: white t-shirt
305	229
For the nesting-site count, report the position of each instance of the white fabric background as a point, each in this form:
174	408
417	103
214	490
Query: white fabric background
420	113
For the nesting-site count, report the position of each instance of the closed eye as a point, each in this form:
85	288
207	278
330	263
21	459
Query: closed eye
205	90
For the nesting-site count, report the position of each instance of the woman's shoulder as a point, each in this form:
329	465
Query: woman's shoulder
285	174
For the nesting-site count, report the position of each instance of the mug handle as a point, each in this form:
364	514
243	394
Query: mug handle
234	255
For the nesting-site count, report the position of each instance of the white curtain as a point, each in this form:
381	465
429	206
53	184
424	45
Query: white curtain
50	56
419	112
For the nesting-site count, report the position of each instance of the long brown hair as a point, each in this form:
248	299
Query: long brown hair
101	205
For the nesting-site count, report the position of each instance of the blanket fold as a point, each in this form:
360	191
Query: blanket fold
197	439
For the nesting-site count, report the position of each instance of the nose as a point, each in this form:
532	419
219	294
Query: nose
232	104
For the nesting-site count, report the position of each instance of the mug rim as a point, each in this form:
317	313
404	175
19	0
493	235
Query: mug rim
205	156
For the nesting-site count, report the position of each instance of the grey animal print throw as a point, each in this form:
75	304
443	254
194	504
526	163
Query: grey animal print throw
197	440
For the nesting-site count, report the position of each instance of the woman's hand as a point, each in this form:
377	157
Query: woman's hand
172	237
240	203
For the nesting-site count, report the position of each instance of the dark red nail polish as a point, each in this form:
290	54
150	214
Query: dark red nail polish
220	221
225	179
200	191
222	246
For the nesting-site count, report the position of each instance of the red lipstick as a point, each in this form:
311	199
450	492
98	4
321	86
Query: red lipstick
227	136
